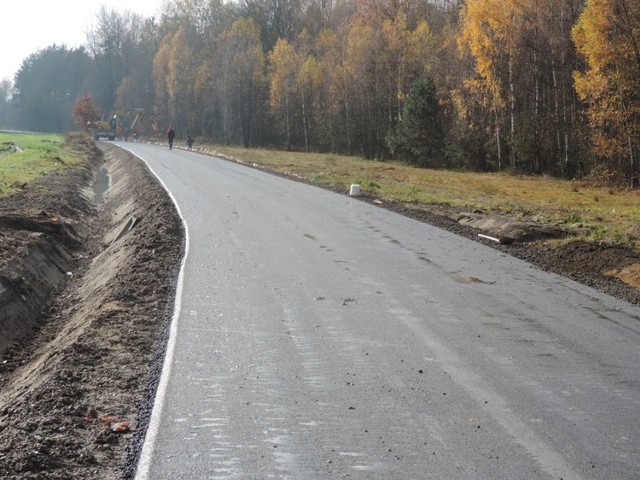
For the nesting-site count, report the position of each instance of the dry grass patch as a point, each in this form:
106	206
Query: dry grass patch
604	213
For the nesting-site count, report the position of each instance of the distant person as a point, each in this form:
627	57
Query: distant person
170	136
189	142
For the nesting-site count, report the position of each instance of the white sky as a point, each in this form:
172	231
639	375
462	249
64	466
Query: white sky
32	25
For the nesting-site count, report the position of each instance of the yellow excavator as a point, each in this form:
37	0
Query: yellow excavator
120	124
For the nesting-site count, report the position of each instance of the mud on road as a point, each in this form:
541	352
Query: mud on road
86	298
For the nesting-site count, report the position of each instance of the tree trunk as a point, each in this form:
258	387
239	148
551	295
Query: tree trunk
633	173
497	124
512	105
287	120
304	120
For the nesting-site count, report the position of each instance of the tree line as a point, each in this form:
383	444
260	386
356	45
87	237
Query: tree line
534	86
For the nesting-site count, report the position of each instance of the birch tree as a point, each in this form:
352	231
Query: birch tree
244	76
284	65
161	112
608	36
491	32
181	69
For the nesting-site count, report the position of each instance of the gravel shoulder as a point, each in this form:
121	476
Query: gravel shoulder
86	297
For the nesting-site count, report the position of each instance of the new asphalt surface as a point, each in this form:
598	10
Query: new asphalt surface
320	337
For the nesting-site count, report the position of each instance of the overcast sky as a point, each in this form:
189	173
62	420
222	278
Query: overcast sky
32	25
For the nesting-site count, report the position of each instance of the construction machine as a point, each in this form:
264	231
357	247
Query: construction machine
120	124
103	129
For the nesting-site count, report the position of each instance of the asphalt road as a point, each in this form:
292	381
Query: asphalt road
320	337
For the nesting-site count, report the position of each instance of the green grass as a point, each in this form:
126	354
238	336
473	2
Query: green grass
39	156
608	214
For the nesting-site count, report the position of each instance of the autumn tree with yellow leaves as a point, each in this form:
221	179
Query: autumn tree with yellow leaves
181	70
284	63
488	30
295	76
608	35
244	73
521	78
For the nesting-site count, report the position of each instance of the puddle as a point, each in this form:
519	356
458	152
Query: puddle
100	186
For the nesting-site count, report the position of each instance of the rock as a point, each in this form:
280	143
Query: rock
507	230
120	427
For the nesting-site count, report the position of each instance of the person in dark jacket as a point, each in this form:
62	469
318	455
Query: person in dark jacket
170	136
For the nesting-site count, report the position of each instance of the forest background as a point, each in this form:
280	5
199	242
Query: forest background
533	86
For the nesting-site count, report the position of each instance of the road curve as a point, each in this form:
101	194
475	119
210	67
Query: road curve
320	337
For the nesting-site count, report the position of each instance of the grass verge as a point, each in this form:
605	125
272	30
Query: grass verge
24	157
605	214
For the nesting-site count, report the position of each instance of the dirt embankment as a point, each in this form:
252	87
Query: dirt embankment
86	296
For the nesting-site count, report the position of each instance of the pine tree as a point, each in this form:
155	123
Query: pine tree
419	139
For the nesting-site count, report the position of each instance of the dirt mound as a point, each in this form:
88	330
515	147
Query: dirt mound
612	268
38	268
42	231
74	393
505	228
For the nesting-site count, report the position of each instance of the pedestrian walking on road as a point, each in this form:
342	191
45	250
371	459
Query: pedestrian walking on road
170	136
